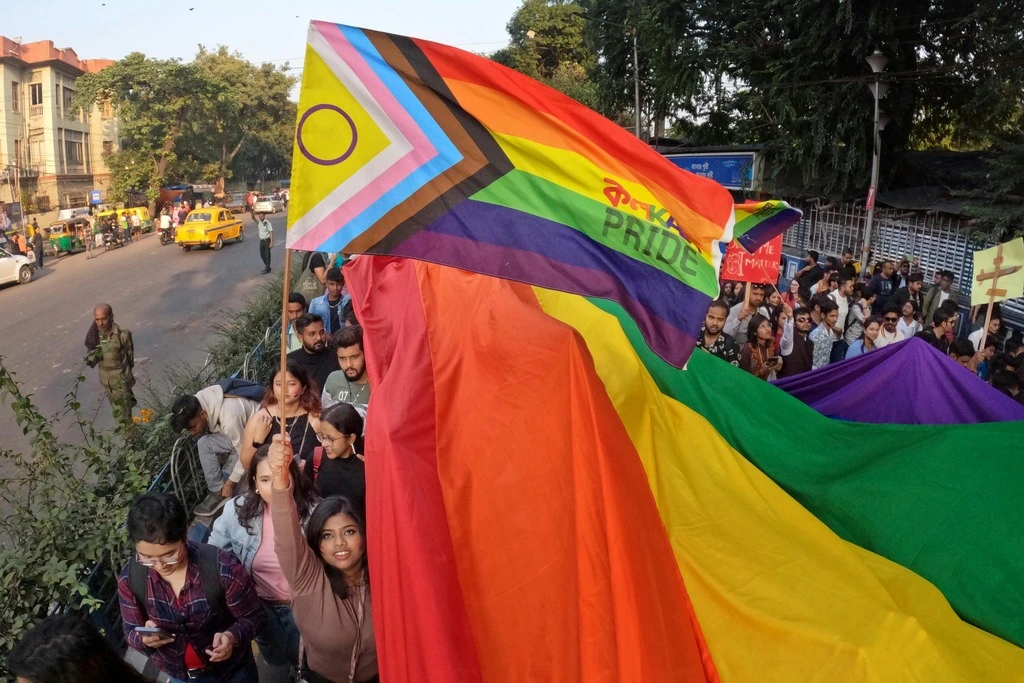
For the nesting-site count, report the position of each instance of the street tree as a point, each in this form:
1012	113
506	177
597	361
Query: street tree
154	101
547	44
248	101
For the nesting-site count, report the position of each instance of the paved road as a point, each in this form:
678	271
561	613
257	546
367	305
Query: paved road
169	299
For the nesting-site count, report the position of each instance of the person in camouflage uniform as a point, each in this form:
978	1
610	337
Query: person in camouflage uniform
111	348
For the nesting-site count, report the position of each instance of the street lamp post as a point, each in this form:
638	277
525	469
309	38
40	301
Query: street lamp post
877	62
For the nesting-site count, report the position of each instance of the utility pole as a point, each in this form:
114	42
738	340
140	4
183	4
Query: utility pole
877	62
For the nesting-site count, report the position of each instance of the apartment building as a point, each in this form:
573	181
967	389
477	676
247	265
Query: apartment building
51	155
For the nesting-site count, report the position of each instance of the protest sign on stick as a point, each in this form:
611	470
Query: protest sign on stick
760	267
998	275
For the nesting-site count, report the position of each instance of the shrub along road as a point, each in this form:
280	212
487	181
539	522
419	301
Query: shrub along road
170	300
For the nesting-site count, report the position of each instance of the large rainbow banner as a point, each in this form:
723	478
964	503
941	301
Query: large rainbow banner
550	501
411	148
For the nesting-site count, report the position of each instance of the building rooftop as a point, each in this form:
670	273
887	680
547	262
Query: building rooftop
44	52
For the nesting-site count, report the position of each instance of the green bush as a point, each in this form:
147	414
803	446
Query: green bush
64	504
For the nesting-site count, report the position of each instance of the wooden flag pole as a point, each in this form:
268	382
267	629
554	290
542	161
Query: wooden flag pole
284	331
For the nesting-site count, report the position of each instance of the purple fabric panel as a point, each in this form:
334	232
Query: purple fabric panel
906	383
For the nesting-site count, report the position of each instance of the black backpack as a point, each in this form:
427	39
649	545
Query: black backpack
209	577
242	388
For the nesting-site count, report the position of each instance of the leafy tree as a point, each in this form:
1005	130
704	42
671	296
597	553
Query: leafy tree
155	102
247	101
267	153
547	44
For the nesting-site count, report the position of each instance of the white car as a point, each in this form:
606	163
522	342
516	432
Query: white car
267	204
14	268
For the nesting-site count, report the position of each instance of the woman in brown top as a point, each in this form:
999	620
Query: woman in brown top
329	579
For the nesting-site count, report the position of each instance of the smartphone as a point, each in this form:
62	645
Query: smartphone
153	631
774	360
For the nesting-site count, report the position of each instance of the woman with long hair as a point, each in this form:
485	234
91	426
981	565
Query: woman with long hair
336	469
758	355
247	529
64	648
789	297
866	343
292	398
771	307
329	578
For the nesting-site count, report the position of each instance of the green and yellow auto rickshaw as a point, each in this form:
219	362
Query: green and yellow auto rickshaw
66	237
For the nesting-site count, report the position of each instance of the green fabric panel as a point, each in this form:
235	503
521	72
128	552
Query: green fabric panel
942	500
534	195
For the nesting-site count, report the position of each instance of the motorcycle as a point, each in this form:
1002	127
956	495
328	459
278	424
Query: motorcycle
166	236
111	240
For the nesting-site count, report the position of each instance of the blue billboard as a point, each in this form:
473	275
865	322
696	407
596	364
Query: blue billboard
734	171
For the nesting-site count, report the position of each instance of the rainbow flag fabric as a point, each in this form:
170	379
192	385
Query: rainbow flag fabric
757	223
411	148
550	501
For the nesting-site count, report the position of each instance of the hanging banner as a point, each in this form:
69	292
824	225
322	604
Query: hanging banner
761	267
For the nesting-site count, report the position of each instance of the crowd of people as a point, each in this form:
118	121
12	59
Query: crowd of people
829	313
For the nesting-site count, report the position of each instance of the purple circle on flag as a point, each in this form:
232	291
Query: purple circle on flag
317	160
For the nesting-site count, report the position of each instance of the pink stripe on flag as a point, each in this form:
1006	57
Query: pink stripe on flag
422	151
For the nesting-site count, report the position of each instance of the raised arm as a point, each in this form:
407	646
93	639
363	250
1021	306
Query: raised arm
300	565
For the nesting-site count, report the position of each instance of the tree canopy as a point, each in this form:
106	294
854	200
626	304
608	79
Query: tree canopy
191	121
791	75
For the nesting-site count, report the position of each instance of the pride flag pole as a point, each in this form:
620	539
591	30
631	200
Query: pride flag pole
284	330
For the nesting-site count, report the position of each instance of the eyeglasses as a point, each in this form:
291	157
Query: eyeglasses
328	440
168	560
891	320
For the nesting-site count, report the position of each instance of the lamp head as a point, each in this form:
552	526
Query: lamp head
877	61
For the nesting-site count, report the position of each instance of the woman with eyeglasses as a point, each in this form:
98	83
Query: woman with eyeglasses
868	338
328	574
294	398
336	469
190	607
247	529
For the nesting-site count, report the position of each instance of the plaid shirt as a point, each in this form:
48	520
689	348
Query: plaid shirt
189	618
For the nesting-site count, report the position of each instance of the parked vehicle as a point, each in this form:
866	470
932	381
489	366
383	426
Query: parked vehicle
209	227
64	237
236	202
14	268
114	215
267	203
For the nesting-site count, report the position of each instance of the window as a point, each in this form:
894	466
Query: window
15	90
18	161
35	91
107	109
73	152
69	95
108	147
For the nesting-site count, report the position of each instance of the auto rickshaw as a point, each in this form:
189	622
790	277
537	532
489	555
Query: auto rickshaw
65	238
114	216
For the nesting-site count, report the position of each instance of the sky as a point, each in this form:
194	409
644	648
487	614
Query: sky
262	31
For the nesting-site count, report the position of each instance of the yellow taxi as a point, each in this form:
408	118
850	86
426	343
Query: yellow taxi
210	227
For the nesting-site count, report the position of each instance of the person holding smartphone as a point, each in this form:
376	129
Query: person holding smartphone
759	354
191	608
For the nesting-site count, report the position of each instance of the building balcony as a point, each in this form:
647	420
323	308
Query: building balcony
35	110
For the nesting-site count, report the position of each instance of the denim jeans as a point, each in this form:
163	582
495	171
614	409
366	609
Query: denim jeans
217	456
279	639
248	673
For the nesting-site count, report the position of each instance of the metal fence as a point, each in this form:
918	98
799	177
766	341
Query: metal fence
939	241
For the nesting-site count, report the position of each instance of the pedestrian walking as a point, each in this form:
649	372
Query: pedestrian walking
111	348
266	234
90	240
37	246
136	225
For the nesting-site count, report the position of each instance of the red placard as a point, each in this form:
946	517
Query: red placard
761	267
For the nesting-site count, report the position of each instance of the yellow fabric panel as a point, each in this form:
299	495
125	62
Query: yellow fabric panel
778	595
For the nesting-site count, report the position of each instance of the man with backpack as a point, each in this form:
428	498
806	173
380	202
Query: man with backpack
190	607
217	415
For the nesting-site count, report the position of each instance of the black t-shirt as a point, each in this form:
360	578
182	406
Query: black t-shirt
317	261
811	277
339	477
318	365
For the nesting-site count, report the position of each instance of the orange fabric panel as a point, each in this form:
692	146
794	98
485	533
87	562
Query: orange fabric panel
565	565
